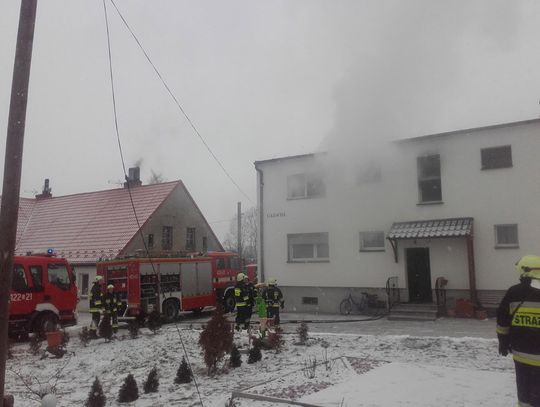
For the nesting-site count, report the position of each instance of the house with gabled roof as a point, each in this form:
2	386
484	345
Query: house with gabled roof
90	226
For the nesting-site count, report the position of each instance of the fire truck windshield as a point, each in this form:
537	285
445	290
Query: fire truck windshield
59	276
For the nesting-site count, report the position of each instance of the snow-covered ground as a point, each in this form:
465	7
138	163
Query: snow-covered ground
360	370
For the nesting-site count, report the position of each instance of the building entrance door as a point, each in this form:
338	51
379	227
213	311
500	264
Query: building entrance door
419	275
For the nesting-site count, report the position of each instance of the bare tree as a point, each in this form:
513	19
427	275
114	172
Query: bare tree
249	235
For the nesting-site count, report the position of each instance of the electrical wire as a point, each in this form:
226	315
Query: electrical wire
130	194
176	101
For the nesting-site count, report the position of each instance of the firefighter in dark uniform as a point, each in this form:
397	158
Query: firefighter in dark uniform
96	305
243	296
518	330
111	305
273	297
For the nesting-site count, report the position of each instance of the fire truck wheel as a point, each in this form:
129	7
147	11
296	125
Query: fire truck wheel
170	309
229	302
47	322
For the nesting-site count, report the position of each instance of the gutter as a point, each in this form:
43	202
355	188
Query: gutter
261	223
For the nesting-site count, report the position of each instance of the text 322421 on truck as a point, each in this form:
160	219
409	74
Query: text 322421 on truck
43	294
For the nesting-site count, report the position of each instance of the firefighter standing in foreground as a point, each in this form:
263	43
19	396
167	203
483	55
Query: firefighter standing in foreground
111	307
96	305
518	330
243	296
273	297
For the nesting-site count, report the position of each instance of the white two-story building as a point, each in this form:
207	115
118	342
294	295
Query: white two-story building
462	205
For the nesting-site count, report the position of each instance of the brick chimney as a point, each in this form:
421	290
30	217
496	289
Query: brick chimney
133	178
46	193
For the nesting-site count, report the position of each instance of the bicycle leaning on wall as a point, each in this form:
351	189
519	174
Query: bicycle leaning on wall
367	304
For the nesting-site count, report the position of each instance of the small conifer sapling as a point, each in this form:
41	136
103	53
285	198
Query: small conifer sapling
183	374
152	382
96	398
255	354
302	332
216	340
154	321
129	390
236	358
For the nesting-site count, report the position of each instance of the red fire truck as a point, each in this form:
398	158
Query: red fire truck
43	294
173	284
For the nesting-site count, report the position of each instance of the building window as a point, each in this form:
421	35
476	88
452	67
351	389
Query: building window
496	157
305	186
167	238
150	241
190	239
506	236
303	247
429	178
371	241
310	300
369	174
204	244
84	284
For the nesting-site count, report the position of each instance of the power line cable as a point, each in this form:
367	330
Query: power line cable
131	196
176	101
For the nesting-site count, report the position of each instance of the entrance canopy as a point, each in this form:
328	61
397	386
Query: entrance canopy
429	229
437	229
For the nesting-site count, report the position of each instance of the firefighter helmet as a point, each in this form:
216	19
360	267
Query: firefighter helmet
98	278
110	287
272	281
240	277
529	266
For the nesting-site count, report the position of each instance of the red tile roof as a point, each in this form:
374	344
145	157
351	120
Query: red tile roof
84	227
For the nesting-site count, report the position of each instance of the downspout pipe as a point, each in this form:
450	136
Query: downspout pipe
261	222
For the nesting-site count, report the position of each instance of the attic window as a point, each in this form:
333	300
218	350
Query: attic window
167	238
496	157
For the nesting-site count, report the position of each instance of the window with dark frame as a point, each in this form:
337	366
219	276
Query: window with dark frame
496	157
506	236
310	300
190	239
372	241
429	178
167	238
308	247
204	244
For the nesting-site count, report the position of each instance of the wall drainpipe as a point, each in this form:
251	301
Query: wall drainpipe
261	223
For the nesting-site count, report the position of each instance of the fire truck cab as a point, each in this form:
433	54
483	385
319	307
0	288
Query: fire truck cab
43	294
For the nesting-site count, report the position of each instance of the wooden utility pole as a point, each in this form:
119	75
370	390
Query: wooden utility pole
239	219
9	210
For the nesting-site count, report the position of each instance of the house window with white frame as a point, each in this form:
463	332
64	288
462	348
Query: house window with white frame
305	186
372	241
496	157
506	236
167	238
308	247
429	179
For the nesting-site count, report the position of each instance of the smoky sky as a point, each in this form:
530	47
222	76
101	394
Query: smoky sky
259	80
